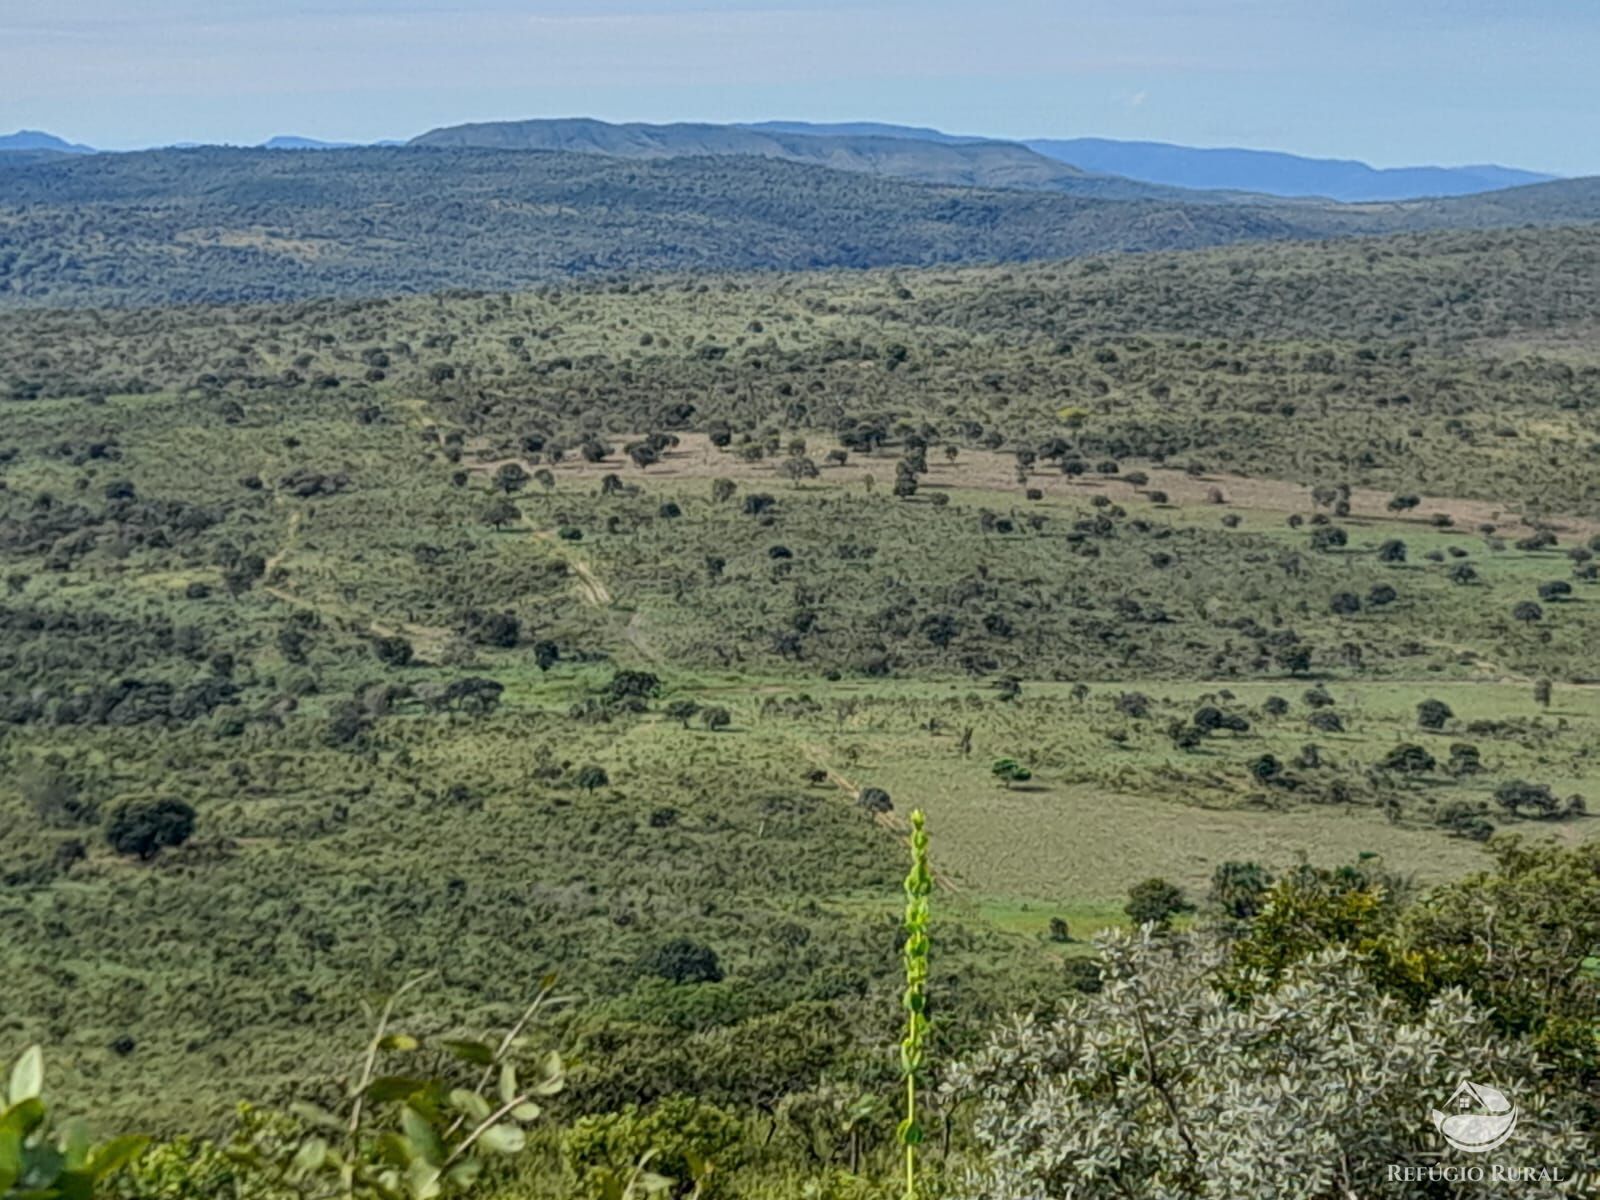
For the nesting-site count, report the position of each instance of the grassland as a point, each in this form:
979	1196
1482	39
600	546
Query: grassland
271	563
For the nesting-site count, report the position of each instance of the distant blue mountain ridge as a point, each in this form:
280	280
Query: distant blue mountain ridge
36	140
1277	173
1267	172
1160	164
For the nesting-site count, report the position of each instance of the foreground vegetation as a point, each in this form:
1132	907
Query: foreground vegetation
1230	616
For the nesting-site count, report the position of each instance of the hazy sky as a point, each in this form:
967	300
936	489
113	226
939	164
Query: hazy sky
1390	81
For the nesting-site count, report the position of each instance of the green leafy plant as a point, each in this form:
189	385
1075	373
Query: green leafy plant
1008	771
409	1136
41	1162
919	883
677	1147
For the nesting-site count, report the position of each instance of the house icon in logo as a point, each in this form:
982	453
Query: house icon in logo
1480	1118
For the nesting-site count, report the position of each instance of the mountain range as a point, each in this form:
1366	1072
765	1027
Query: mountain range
34	141
1091	167
236	225
1276	173
974	163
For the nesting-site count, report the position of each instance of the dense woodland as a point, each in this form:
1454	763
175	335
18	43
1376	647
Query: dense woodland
220	226
1232	614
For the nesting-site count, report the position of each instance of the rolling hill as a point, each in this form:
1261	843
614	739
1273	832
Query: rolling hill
1085	166
211	224
965	163
1276	173
1261	172
34	141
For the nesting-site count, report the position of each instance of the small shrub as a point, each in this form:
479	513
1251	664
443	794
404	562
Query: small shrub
680	1146
144	826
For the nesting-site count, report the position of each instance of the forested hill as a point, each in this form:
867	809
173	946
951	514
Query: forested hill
972	163
219	225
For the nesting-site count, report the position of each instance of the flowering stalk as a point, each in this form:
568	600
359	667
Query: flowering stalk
915	999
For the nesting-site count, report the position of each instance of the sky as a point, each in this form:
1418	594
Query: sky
1391	82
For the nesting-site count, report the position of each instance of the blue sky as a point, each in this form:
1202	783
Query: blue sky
1388	81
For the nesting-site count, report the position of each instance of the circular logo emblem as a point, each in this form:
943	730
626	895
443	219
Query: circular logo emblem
1482	1118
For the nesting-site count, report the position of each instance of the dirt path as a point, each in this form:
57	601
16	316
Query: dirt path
428	639
590	590
275	560
636	637
890	821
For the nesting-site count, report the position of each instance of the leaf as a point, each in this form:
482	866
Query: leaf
42	1163
553	1073
398	1041
386	1088
470	1103
313	1153
420	1135
526	1112
508	1083
909	1132
394	1149
464	1174
71	1185
27	1076
75	1143
475	1053
10	1158
115	1154
422	1180
317	1116
502	1139
24	1117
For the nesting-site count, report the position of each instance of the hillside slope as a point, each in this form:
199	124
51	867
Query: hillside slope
35	140
1260	173
1276	173
968	163
248	225
191	226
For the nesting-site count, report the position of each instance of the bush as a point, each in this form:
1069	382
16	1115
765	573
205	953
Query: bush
591	777
1083	975
875	799
144	826
680	1139
1465	820
1155	901
1098	1100
626	685
1008	771
1432	714
1520	798
1408	759
683	960
39	1161
1238	889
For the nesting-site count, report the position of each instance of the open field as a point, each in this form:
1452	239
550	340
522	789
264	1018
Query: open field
491	635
